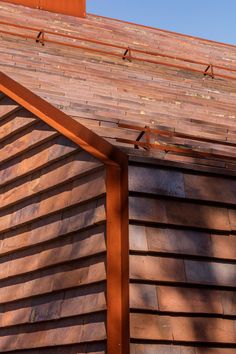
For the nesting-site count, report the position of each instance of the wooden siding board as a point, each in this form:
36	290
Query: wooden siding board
53	227
181	184
210	273
186	329
22	142
182	260
149	268
144	209
187	300
156	181
157	269
64	170
14	123
72	248
35	159
67	331
54	279
180	241
53	251
87	188
53	306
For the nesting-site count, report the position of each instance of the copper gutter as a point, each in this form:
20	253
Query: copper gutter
127	53
116	163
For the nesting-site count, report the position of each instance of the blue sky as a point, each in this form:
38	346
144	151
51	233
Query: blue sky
211	19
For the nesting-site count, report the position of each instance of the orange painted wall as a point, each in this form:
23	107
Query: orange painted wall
67	7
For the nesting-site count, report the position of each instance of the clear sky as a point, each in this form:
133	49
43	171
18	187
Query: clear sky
211	19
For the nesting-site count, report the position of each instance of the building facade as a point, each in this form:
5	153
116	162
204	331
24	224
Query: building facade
117	187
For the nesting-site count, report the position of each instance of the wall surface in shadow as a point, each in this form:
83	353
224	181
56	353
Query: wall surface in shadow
182	260
52	240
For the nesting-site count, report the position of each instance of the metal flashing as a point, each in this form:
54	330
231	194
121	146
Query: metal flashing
75	8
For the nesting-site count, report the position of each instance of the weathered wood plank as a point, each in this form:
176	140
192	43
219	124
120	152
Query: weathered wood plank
179	213
80	330
54	279
17	121
186	329
149	268
68	303
173	183
182	300
64	170
53	227
186	242
38	157
21	142
81	190
69	249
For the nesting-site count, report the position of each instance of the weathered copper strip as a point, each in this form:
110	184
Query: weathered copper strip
68	7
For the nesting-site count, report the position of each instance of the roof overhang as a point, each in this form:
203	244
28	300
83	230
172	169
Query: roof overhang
75	8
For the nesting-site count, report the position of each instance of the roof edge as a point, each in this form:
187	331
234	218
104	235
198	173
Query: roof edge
189	36
64	124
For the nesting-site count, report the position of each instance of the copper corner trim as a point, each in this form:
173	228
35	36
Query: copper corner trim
75	8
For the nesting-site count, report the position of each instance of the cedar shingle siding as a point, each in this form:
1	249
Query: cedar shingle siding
52	238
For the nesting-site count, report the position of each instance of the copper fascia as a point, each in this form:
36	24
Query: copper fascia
75	8
116	162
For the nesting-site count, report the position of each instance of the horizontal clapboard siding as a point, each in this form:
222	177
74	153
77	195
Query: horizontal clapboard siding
22	119
52	240
182	260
